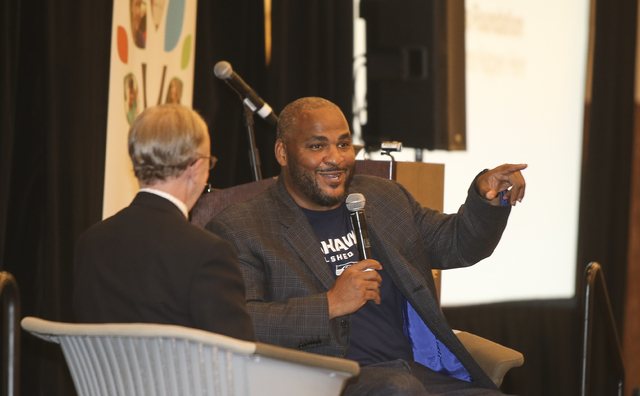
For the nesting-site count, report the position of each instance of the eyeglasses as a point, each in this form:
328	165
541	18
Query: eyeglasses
212	160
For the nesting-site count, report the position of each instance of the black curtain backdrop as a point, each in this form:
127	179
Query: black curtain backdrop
8	70
232	31
607	152
312	52
54	74
55	63
606	168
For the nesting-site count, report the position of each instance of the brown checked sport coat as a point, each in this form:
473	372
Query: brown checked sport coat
287	278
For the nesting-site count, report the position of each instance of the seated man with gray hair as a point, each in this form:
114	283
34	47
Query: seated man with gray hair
147	263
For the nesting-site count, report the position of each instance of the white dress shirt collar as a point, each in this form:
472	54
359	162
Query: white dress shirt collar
181	205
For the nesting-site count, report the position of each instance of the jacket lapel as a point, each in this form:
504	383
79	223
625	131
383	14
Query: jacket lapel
300	236
407	279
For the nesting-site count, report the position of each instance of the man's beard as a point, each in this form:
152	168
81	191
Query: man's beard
308	185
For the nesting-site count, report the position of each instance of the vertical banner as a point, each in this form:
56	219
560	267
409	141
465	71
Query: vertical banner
152	56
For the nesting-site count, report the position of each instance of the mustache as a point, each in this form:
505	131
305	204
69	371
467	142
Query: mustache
331	169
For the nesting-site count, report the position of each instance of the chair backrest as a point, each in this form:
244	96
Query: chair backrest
210	204
155	359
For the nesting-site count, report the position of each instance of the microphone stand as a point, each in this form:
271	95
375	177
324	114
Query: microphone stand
392	164
254	155
386	148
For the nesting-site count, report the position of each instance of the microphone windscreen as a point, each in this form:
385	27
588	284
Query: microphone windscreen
355	202
223	70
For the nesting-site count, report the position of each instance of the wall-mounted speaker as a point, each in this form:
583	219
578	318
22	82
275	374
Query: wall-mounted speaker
415	73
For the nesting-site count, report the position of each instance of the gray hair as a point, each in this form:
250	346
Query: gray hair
289	116
163	141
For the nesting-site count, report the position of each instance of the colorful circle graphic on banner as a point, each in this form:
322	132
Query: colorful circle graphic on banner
131	106
150	47
175	16
123	45
138	12
174	91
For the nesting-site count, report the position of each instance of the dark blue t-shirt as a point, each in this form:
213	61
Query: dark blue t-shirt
378	332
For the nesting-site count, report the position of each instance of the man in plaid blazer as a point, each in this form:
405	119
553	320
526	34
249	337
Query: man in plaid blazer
307	287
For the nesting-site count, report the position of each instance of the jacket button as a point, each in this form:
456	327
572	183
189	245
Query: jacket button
344	324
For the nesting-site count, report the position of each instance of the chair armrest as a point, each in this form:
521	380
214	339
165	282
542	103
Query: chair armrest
494	359
307	359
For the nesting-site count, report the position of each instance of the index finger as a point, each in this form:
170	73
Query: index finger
511	168
367	264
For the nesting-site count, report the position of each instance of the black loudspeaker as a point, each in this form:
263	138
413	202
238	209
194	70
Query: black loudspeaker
415	73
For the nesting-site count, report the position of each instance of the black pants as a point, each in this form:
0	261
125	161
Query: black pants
401	378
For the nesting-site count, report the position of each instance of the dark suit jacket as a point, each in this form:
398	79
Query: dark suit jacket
148	264
287	278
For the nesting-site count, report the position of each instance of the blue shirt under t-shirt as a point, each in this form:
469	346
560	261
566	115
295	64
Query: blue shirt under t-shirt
389	331
378	332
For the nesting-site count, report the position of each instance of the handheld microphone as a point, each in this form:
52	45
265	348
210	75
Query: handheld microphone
355	204
250	98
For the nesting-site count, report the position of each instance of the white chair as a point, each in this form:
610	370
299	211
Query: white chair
155	359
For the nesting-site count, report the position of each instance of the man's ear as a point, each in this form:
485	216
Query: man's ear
189	172
281	152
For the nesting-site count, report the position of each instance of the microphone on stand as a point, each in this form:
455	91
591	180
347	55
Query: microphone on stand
250	98
355	203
